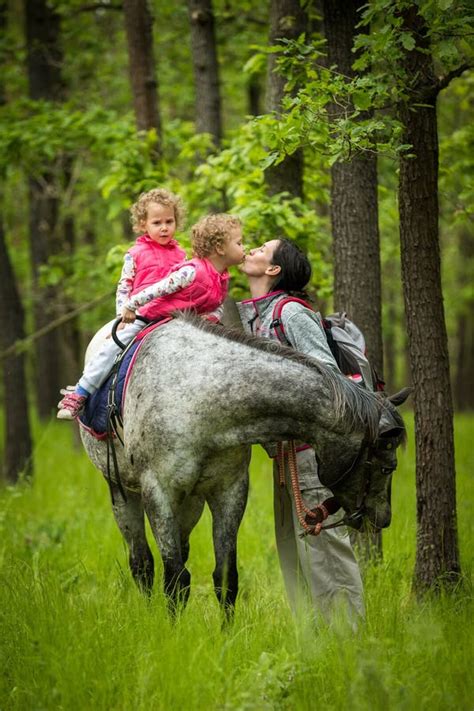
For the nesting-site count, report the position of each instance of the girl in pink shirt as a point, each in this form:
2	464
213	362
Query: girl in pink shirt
156	216
200	284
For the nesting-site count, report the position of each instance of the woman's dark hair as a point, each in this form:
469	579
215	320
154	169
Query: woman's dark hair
295	267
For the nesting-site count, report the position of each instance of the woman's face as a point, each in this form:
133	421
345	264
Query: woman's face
258	260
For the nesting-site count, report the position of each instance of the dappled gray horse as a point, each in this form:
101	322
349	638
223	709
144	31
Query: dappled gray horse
198	396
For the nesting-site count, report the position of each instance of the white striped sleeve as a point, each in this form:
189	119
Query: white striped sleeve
174	282
125	284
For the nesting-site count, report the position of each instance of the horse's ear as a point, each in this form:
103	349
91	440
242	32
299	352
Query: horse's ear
400	397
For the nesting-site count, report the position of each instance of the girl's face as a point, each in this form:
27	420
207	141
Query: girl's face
160	223
233	250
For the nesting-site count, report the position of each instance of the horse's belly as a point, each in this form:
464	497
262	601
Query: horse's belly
97	453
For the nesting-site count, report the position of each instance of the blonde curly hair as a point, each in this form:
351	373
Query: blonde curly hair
212	232
139	210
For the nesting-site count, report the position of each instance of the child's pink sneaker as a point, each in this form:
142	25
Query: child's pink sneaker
70	406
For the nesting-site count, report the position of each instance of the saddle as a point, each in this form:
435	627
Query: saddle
107	402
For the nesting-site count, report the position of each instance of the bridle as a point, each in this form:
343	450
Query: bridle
311	520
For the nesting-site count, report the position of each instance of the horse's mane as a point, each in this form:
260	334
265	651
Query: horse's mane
353	404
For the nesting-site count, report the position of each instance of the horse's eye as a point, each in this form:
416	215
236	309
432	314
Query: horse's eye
387	470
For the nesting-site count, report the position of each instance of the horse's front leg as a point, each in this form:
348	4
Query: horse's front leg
163	513
130	519
227	507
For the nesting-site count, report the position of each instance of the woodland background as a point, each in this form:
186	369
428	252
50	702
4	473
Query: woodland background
345	127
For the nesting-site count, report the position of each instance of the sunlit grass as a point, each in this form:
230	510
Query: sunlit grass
75	633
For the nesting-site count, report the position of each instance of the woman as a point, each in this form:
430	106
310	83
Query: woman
323	567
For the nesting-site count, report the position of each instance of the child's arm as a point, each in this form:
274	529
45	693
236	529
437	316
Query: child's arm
216	315
175	281
125	284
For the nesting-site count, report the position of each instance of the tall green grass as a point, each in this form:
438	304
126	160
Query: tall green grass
76	634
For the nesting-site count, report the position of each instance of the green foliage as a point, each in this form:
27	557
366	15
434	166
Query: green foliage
456	183
98	164
67	601
449	27
236	176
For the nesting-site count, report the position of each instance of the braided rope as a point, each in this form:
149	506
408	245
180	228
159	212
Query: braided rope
320	512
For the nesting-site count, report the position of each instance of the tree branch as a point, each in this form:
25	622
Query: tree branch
443	82
23	344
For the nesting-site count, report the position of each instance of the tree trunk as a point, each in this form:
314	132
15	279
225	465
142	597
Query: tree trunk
354	203
70	331
18	444
254	95
437	558
44	59
17	451
354	212
464	381
44	56
206	69
139	30
391	333
287	21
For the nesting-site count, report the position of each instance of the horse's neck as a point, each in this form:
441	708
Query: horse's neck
294	402
297	403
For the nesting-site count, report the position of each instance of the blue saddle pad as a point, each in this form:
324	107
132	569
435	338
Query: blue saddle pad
94	417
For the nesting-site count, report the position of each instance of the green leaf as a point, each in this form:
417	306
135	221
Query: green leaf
362	100
256	64
408	41
269	160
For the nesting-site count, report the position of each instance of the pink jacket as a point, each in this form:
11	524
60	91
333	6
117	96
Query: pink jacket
153	261
205	294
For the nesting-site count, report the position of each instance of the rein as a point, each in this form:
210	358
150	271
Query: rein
320	513
302	511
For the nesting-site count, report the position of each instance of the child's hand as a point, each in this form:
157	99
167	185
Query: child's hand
128	316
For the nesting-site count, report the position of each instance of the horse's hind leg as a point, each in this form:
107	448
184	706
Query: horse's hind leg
164	521
130	519
227	507
189	515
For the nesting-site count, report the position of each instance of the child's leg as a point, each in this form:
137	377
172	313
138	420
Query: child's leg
95	373
97	369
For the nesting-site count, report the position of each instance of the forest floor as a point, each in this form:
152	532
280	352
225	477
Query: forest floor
76	634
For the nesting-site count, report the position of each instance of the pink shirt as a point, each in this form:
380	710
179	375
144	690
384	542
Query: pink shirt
144	264
196	285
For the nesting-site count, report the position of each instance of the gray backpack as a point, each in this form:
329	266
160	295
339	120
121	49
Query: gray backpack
346	341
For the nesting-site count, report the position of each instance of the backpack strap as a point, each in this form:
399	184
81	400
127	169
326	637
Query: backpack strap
277	323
